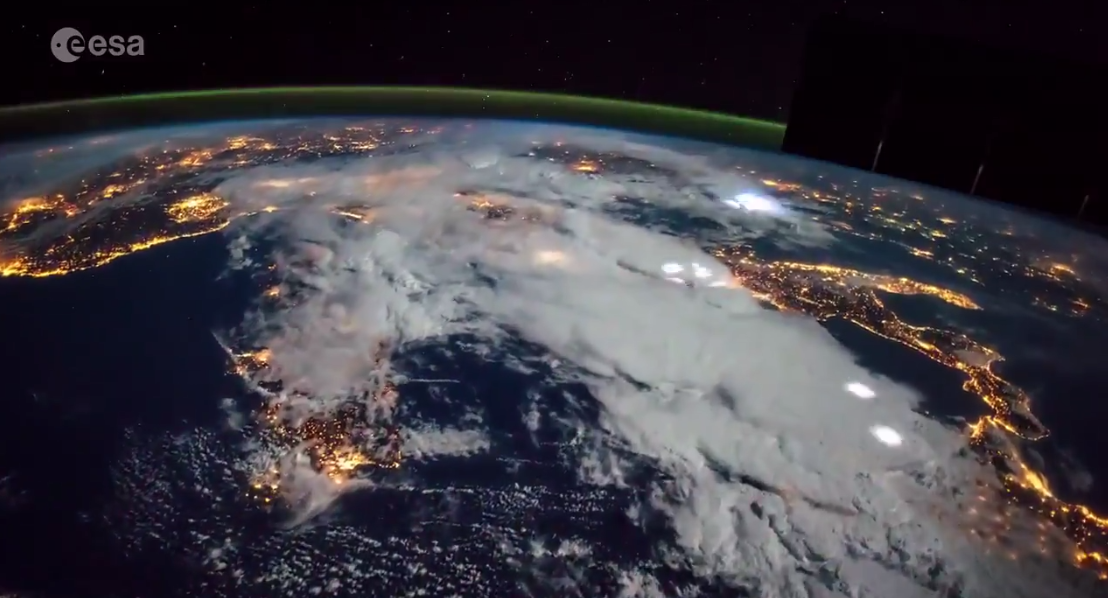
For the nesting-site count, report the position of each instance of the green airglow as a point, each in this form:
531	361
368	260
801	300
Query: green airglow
417	101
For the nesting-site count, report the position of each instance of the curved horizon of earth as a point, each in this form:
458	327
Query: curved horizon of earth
378	356
91	116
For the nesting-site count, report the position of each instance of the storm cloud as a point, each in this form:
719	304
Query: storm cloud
782	475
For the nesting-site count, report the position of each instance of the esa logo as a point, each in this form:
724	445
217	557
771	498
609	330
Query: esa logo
68	44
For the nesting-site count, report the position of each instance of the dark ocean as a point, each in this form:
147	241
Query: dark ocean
86	356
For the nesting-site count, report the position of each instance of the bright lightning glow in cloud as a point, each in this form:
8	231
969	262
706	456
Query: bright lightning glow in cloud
754	203
886	435
860	390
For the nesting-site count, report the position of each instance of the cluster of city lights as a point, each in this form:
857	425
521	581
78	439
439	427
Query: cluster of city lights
340	442
97	238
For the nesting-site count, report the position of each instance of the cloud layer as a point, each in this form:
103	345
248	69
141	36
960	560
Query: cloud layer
782	466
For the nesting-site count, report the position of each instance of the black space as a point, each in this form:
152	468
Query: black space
736	57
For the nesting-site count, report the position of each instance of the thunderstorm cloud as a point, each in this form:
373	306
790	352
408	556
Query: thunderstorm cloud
789	469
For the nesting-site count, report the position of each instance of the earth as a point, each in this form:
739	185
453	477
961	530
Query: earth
476	357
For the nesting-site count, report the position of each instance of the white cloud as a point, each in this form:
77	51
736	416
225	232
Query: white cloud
425	443
776	479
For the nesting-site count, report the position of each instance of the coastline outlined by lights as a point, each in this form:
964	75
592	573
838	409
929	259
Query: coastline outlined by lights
164	202
340	443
